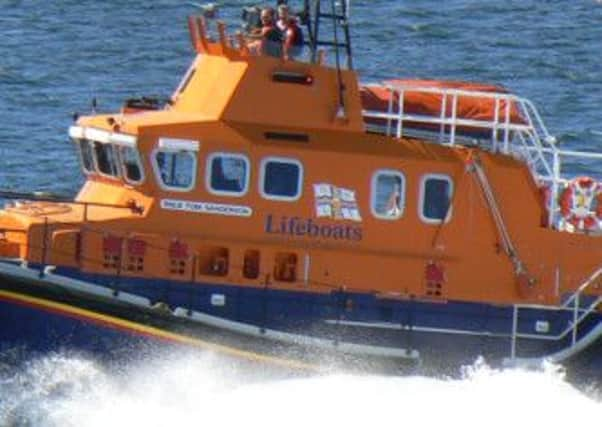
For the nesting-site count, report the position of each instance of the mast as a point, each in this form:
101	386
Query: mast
338	16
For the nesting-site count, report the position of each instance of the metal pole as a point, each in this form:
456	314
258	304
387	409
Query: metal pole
452	135
514	330
44	247
554	195
401	113
577	303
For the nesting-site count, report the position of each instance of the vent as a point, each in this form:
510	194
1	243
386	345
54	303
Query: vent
284	136
434	275
136	250
292	78
178	257
111	248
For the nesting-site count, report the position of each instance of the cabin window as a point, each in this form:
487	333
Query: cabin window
281	179
131	164
388	194
106	159
228	174
435	198
184	83
176	170
87	155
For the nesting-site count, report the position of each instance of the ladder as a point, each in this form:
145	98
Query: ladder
338	14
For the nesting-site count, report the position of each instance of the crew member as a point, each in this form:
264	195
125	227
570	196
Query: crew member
283	18
293	39
270	36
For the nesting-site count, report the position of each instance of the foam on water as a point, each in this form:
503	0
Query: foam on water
62	390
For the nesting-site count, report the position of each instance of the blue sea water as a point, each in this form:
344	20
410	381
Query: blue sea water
56	56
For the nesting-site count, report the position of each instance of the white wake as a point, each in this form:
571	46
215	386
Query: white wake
62	390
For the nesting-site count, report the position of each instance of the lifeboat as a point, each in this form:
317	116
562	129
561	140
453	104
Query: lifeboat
442	99
229	219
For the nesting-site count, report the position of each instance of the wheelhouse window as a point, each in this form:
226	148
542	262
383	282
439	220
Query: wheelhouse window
106	159
388	194
281	179
131	164
436	195
176	170
228	174
184	83
87	155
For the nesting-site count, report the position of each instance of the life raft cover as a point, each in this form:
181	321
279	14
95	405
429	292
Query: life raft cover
420	102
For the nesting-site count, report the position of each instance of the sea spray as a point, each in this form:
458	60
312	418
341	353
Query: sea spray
63	390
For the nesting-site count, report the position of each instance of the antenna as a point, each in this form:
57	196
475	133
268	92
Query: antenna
208	10
341	110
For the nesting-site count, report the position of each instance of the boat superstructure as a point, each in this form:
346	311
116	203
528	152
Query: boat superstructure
285	200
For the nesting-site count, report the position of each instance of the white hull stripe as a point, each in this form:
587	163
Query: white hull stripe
303	340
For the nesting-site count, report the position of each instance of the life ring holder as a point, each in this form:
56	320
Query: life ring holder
581	204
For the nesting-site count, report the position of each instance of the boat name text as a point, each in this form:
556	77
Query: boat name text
307	227
206	208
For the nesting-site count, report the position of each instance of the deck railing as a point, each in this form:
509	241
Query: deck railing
579	306
513	127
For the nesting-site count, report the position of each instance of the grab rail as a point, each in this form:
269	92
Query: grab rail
573	304
46	197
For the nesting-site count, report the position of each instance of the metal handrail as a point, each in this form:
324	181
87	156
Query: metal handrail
573	303
44	197
528	139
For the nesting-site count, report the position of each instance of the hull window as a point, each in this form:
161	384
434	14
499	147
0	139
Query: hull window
251	264
228	174
388	194
285	267
131	165
214	261
176	170
281	179
435	199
